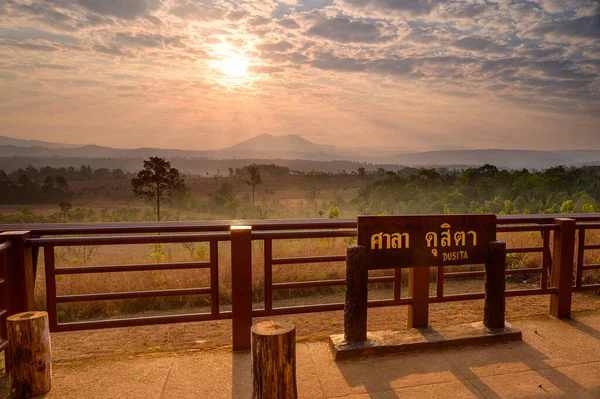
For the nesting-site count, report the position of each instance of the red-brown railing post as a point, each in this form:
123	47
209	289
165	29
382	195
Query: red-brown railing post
418	289
19	272
49	268
563	256
5	305
241	286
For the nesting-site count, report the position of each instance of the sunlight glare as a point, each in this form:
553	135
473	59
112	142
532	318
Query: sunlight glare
234	66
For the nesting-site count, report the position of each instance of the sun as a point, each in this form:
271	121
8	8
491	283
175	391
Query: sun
234	66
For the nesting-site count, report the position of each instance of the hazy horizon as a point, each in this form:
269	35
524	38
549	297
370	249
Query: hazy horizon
201	75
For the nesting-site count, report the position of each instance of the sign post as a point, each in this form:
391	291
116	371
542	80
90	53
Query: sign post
419	242
355	308
495	285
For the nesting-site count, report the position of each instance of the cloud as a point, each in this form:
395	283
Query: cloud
559	70
472	43
555	84
413	7
30	46
259	21
148	40
500	64
111	49
263	69
538	52
347	31
587	27
197	11
421	36
395	67
281	46
466	11
497	87
96	20
36	34
44	12
126	9
561	6
288	23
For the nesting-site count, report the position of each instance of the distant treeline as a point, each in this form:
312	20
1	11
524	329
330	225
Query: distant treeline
265	170
196	166
484	189
85	172
28	191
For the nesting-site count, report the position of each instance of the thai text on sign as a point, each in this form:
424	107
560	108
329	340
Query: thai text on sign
438	240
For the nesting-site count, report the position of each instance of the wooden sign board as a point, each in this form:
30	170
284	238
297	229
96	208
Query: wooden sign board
438	240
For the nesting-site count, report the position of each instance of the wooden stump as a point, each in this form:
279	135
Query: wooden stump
29	350
274	361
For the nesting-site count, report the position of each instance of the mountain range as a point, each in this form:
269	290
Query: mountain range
294	147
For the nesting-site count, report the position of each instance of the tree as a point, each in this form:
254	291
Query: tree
65	207
334	213
61	184
48	184
156	181
567	207
223	198
254	180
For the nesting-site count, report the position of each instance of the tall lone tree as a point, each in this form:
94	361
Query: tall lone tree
254	180
156	181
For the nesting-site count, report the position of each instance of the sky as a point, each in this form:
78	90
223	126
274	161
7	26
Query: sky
409	74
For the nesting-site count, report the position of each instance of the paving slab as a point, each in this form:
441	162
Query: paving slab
531	384
380	373
454	390
222	374
578	338
505	358
124	378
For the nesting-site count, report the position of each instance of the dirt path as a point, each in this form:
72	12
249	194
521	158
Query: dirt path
314	326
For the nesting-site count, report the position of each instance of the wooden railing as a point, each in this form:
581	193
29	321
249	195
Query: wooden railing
558	275
4	295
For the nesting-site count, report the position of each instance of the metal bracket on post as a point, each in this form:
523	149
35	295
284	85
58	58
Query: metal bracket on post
241	286
495	285
355	308
562	268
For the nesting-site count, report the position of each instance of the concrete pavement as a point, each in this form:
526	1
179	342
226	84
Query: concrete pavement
555	359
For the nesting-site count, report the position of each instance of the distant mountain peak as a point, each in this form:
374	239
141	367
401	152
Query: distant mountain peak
269	142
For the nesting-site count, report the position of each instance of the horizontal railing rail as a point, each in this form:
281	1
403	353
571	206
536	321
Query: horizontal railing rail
270	233
45	229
